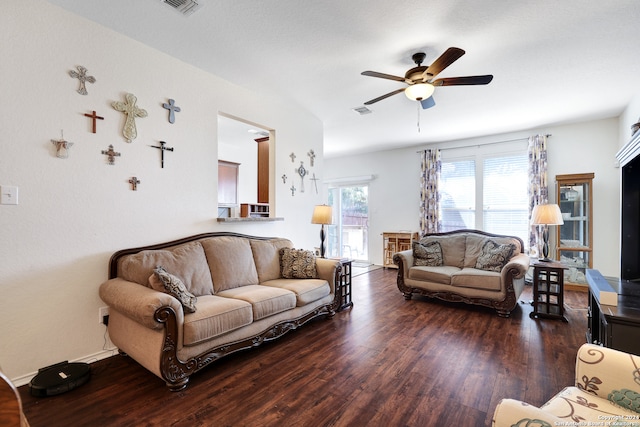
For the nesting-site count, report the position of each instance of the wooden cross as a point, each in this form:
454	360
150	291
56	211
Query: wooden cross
94	116
81	75
172	108
162	149
112	154
134	181
293	157
315	182
312	156
132	111
62	146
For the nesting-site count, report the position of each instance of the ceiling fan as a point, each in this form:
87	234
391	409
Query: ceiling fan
420	78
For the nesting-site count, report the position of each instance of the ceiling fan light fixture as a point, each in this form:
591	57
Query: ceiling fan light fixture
419	91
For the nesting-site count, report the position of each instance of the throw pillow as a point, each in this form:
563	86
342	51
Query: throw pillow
297	264
161	280
427	254
495	256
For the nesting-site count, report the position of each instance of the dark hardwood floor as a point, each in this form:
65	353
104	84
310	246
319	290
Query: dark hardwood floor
385	362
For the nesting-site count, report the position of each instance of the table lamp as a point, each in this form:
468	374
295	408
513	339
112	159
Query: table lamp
322	214
546	215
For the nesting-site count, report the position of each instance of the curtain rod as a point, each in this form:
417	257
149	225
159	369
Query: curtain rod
488	143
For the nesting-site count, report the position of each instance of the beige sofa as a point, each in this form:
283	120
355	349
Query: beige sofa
467	266
606	393
234	283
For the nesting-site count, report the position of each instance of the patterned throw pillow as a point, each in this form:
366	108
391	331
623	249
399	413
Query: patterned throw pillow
427	254
297	264
173	286
495	256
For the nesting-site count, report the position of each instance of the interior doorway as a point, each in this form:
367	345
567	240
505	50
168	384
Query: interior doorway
349	236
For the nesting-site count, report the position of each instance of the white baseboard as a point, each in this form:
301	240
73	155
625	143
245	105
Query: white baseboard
26	379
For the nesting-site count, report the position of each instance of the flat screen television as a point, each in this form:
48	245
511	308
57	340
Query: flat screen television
629	158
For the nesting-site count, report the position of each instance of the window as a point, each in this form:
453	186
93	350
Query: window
349	236
485	190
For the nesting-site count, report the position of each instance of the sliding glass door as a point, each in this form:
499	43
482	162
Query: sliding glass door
349	236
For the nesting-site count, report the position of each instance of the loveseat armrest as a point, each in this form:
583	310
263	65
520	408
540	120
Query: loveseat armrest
138	302
326	269
517	265
404	260
510	412
607	373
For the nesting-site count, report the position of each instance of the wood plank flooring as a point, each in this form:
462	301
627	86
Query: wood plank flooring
385	362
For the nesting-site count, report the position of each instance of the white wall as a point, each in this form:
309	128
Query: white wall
576	148
73	214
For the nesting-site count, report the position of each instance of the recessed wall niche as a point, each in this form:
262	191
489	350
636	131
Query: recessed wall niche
249	146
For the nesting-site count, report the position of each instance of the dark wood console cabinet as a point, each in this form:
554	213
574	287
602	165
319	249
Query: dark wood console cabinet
614	326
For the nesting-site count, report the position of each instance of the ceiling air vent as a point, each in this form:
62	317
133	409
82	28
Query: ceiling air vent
185	7
362	110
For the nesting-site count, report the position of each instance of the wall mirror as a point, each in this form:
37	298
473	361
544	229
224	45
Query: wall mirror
243	166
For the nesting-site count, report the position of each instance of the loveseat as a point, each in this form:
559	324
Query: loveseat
176	307
469	266
606	393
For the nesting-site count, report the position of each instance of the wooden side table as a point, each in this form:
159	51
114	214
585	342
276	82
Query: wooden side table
345	285
548	289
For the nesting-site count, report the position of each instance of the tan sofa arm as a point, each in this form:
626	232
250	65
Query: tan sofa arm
138	302
407	260
326	269
603	371
520	263
510	412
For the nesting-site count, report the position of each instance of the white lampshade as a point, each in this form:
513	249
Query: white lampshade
419	91
322	214
548	214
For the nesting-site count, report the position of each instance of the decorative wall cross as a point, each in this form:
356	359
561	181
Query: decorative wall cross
293	190
312	156
81	75
284	178
293	157
94	117
302	172
62	146
134	181
112	154
132	111
162	149
315	182
172	109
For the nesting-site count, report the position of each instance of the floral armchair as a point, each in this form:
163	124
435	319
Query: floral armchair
606	393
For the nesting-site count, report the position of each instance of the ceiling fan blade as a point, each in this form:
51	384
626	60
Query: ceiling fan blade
428	103
382	75
380	98
450	56
463	81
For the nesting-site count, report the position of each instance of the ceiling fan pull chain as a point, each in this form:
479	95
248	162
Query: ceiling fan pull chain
418	105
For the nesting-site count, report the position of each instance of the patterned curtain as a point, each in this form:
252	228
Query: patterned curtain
538	191
429	196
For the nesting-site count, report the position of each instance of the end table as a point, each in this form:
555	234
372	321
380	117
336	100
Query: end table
345	285
548	288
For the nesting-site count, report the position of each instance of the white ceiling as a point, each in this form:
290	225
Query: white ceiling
553	61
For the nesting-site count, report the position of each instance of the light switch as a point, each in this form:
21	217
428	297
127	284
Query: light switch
8	195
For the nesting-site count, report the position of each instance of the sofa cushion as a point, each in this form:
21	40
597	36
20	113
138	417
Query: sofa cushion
475	244
163	281
215	316
186	261
495	256
476	279
433	274
230	262
453	248
307	290
265	300
585	406
427	254
266	255
298	264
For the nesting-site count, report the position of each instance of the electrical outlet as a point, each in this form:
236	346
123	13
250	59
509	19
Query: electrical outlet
102	312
